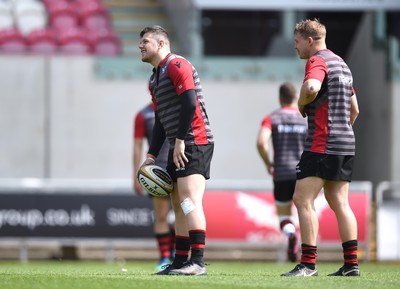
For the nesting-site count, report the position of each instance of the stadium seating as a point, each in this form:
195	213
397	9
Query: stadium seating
93	14
104	42
62	15
73	41
6	15
42	41
29	15
12	41
48	27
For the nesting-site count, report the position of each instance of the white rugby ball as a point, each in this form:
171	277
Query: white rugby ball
155	180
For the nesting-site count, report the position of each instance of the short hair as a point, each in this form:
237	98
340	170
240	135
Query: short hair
287	93
155	29
311	28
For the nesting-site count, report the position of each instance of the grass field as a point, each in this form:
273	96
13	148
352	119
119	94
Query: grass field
222	275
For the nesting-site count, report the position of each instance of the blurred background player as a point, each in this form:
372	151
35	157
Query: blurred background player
163	229
287	128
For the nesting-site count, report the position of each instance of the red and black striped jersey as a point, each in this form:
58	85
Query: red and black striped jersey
288	132
329	128
173	76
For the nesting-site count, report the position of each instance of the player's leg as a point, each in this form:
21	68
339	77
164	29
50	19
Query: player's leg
336	193
171	223
191	187
307	189
182	243
284	212
191	191
162	229
337	196
283	194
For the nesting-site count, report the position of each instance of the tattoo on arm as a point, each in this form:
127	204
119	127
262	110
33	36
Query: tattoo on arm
312	90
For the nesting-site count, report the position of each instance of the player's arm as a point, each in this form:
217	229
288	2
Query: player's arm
137	147
157	140
188	109
315	73
354	111
137	153
309	91
263	147
181	73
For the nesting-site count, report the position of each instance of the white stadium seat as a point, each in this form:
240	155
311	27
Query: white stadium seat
30	15
6	15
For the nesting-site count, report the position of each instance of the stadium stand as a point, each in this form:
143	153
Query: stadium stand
6	15
130	16
104	42
73	41
42	41
62	15
48	27
29	15
93	14
12	41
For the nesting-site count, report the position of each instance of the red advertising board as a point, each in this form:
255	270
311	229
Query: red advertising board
251	216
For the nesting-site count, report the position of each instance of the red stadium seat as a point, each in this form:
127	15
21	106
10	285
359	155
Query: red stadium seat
63	15
104	42
93	14
73	41
42	41
12	41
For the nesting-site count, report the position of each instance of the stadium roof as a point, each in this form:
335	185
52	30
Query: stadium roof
332	5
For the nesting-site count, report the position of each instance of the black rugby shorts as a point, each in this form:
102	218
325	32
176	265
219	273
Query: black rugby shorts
327	167
284	190
199	162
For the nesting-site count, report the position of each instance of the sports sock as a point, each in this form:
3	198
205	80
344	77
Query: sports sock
172	240
197	242
287	227
182	250
309	255
163	241
350	253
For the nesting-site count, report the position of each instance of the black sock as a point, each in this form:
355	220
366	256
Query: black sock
182	250
309	255
197	243
350	253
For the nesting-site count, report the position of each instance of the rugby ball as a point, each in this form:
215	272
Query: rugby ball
155	180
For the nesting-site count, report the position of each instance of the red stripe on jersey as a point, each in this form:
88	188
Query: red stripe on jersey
199	130
321	129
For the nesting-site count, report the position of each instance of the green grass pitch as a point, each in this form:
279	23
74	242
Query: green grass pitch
222	275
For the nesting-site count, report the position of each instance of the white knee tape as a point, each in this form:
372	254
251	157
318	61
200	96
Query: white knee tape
187	206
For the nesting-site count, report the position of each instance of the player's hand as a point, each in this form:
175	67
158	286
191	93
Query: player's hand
270	169
179	156
303	111
150	160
